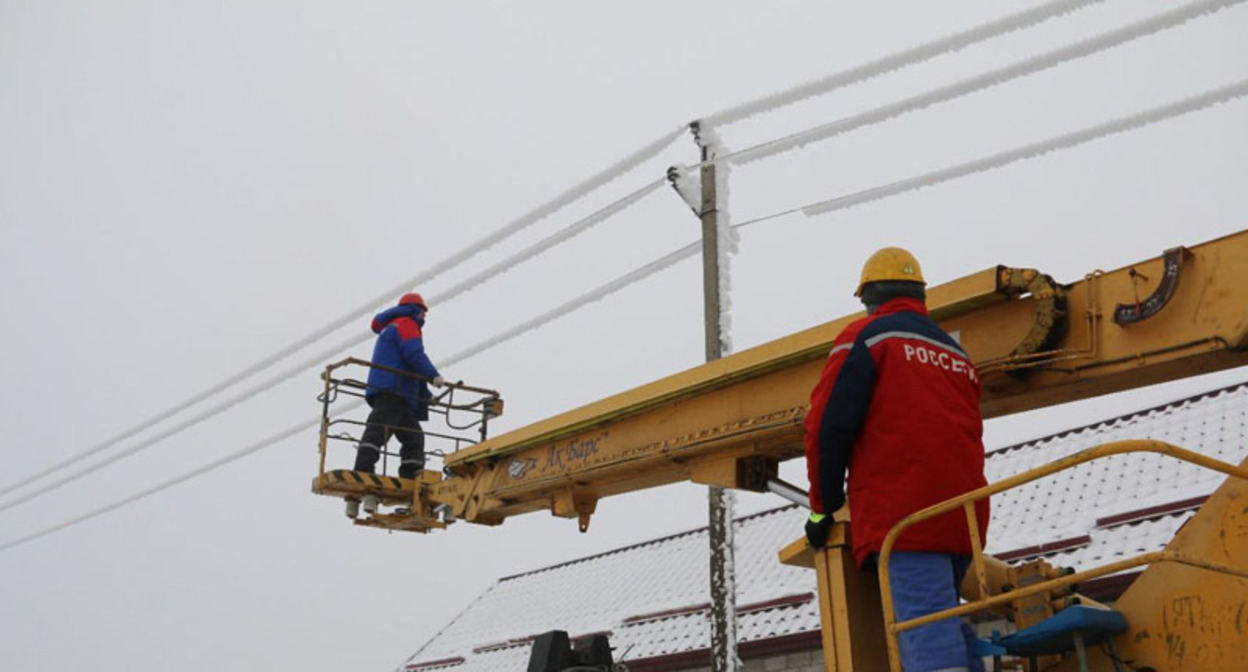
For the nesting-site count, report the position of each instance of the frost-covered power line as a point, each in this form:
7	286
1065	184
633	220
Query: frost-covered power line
232	457
581	301
557	238
898	60
585	299
866	71
182	426
571	195
1121	125
561	236
1084	48
1185	106
875	68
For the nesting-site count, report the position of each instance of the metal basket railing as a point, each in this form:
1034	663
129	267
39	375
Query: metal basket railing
465	411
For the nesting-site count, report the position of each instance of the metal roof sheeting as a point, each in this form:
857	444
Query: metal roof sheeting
651	596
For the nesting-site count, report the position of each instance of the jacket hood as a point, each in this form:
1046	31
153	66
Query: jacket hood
389	315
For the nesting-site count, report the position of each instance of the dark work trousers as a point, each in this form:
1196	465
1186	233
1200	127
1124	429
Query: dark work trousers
392	415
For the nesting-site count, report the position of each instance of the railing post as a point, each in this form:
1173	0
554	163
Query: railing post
977	547
323	443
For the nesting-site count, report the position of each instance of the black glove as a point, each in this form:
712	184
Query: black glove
817	527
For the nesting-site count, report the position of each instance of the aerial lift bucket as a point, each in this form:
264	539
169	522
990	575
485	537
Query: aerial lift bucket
466	412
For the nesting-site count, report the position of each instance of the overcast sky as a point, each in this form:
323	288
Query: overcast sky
185	188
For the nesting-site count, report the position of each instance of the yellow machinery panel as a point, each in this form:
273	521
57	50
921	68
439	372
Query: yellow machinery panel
1188	619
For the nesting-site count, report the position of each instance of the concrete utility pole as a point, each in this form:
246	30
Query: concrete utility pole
723	568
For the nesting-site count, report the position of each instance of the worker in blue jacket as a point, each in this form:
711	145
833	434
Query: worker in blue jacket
399	402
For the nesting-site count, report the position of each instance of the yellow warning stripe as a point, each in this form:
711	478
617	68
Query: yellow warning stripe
364	478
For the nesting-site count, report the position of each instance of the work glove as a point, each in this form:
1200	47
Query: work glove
437	381
817	527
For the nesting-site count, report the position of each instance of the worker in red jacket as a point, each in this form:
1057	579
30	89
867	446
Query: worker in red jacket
898	406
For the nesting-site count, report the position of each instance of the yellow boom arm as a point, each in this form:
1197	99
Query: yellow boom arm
730	422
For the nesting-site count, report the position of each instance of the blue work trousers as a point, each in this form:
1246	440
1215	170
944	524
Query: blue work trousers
924	583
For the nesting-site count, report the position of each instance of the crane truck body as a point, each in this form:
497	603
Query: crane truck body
1035	342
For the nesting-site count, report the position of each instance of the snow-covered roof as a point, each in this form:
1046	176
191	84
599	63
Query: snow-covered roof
1100	496
652	597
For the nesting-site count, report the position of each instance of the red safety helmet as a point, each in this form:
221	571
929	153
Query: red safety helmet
413	298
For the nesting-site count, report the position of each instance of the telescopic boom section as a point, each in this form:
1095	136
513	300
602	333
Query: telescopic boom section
730	422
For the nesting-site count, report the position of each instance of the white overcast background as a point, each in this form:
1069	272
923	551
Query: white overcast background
185	188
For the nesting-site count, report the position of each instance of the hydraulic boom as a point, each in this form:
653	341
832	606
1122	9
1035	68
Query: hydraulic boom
730	422
1035	341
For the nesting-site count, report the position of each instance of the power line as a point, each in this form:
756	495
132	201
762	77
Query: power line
171	431
1029	66
866	71
253	448
571	195
557	238
591	296
583	300
898	60
1121	125
561	236
1116	126
1018	70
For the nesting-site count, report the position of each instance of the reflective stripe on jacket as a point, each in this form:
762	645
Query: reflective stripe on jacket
898	405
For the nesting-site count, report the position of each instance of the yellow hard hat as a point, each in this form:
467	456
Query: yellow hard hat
890	263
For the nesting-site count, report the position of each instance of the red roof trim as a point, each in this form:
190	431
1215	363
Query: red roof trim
786	601
525	641
680	611
1108	588
445	662
801	641
1152	512
498	646
775	603
1045	549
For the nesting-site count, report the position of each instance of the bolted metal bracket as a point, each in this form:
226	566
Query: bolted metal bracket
575	504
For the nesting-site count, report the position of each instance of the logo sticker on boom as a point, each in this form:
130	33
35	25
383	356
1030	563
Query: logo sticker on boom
520	466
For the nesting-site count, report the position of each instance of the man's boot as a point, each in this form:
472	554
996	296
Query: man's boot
366	458
411	469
